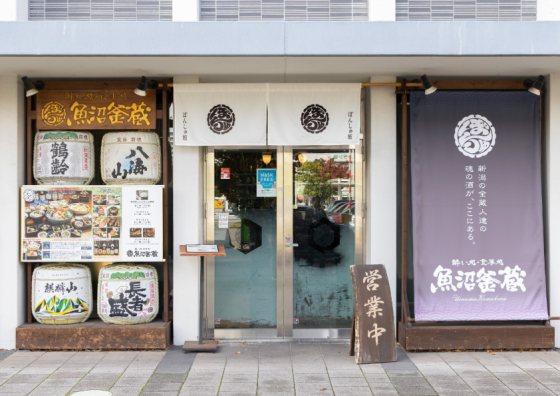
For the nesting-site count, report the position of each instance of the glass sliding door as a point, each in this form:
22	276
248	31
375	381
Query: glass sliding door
244	221
292	226
324	217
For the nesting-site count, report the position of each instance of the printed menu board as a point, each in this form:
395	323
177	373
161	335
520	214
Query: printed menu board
92	223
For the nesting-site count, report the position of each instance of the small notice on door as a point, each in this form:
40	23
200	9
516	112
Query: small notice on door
222	220
224	173
266	182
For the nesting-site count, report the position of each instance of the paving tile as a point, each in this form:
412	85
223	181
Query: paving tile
162	387
84	385
59	382
352	391
311	378
18	388
275	389
199	391
131	381
138	373
125	391
309	369
277	382
51	391
203	382
238	387
250	378
27	378
534	392
313	389
372	368
530	384
165	378
492	390
338	382
346	374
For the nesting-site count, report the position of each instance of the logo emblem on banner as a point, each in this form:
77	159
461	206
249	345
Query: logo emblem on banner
221	119
314	118
475	136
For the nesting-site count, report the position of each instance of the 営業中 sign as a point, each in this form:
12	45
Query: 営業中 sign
373	327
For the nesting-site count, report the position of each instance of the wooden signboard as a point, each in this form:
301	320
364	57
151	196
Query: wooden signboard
88	109
373	327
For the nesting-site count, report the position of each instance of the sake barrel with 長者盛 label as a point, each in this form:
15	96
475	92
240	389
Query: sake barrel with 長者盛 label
127	294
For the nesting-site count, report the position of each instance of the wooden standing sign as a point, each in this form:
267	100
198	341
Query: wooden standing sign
74	109
373	327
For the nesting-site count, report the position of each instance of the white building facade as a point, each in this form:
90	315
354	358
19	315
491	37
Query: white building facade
197	42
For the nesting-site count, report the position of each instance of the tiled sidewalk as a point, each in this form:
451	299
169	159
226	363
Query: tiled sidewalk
278	369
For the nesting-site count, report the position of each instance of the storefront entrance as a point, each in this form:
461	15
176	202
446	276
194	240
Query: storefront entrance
291	222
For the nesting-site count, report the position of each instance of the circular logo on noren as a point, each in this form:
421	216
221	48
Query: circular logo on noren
475	136
315	118
221	119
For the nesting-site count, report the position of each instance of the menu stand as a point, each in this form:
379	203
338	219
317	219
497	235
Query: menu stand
201	345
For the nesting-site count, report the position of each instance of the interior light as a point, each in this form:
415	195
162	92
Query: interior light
267	157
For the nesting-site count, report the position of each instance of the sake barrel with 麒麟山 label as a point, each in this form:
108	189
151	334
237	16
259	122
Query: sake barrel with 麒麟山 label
62	294
131	158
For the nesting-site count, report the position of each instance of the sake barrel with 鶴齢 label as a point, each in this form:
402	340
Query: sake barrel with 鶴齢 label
62	294
63	157
127	294
131	158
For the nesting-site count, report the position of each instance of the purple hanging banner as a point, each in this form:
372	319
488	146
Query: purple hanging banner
477	206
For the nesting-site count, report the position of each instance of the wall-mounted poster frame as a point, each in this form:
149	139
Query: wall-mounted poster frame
473	335
95	334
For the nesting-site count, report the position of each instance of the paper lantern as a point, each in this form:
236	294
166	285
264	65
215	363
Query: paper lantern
62	293
127	294
131	158
63	157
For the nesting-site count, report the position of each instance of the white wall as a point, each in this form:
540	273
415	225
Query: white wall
382	10
187	228
13	10
185	10
12	161
381	180
548	10
552	195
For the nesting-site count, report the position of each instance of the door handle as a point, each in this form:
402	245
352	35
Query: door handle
288	244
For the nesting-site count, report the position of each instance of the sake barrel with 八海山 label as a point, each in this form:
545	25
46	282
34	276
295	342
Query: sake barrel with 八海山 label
131	158
63	157
62	293
127	294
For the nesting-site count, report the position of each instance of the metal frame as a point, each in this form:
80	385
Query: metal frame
284	257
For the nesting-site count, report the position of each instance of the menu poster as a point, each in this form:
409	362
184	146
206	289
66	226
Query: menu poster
92	223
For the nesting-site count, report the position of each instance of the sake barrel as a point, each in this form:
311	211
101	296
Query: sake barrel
63	157
127	294
62	293
131	158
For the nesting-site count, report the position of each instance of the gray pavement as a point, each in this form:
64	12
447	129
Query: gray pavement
278	369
